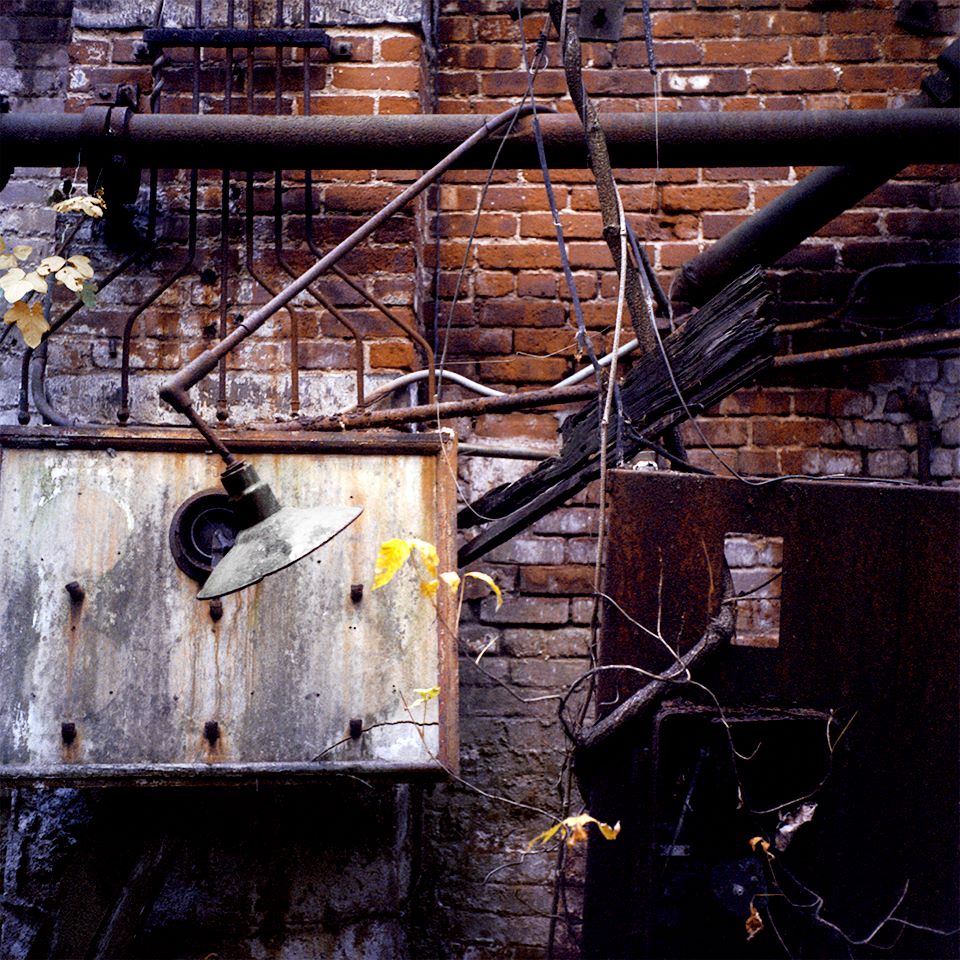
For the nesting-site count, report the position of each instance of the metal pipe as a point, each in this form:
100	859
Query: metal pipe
926	341
826	193
175	390
801	137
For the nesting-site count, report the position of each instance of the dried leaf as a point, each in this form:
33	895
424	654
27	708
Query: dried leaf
489	581
7	261
22	251
574	830
753	923
30	320
392	556
91	206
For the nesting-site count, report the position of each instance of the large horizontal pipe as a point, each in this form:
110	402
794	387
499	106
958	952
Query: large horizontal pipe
741	139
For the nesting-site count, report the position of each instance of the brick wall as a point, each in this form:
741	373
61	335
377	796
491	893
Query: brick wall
477	890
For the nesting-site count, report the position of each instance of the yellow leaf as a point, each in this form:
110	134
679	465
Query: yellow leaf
392	556
574	830
11	276
428	554
425	695
489	581
30	320
428	588
753	923
16	284
760	842
452	579
50	265
91	206
22	251
82	266
70	278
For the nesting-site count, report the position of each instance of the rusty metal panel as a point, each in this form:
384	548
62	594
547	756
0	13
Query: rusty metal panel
869	643
135	678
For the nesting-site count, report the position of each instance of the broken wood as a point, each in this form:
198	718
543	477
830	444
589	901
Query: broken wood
721	347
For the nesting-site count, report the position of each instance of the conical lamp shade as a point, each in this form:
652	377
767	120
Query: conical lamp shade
272	544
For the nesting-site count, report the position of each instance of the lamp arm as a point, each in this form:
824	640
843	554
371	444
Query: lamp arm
175	390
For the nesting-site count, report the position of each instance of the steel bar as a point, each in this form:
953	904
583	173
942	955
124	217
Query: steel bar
415	142
522	400
885	348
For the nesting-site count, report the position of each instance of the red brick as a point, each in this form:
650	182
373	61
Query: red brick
523	370
633	53
569	579
694	25
677	254
739	52
756	401
794	433
493	284
376	78
876	22
758	462
400	48
521	313
718	432
406	106
704	197
476	343
336	105
529	426
798	78
763	23
518	256
395	354
877	77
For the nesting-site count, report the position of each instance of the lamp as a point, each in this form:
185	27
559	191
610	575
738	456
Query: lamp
272	537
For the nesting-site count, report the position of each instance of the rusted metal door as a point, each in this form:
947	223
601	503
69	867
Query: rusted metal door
852	704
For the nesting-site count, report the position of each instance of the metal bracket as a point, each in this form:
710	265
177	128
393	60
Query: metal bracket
220	37
601	20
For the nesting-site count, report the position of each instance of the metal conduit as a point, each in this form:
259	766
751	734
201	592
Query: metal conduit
808	137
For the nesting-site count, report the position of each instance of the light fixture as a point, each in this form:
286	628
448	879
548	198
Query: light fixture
270	537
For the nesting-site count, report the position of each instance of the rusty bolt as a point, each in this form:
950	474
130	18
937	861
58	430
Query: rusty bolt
77	593
68	732
356	592
211	732
356	728
216	609
342	48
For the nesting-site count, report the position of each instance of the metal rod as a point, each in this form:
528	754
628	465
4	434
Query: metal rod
932	341
744	139
572	394
522	400
175	390
318	253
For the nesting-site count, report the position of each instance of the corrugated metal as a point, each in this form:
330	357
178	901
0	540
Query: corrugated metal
140	667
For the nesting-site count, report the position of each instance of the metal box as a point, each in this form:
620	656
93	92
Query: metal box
300	675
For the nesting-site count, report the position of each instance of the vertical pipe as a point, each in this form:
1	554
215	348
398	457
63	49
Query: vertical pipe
222	411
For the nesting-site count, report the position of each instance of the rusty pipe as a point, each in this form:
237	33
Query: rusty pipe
174	391
744	139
